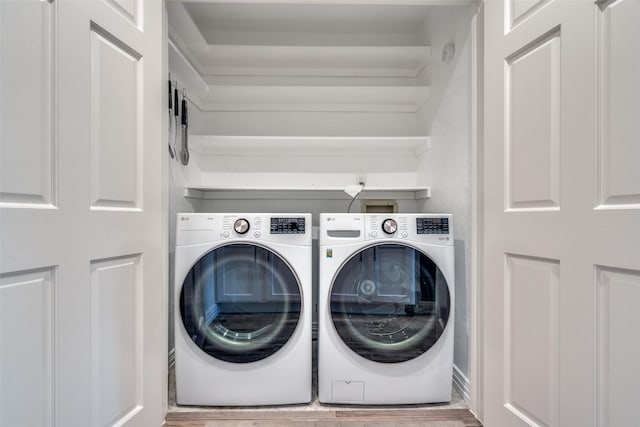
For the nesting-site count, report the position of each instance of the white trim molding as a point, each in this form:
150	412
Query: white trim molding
476	347
461	384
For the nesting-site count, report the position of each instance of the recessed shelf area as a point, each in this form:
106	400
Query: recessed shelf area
314	69
222	165
354	88
237	58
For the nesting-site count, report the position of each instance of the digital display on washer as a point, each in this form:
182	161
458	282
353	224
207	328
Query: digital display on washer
432	225
281	225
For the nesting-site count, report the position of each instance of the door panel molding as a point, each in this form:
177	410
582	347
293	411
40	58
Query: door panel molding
131	10
28	342
116	322
617	293
532	330
116	117
28	157
518	11
532	120
618	177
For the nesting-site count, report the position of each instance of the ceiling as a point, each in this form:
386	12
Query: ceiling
307	24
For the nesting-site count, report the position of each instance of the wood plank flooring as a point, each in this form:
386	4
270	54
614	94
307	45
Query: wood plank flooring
389	417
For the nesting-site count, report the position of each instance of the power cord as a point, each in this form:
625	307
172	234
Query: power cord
356	196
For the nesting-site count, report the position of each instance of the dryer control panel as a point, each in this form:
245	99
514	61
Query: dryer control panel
424	228
292	229
285	225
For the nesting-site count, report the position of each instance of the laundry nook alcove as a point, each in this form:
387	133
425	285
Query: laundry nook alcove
327	107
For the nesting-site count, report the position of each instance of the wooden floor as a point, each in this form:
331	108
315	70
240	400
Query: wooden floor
332	418
315	414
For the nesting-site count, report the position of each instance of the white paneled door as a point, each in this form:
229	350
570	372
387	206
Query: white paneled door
562	213
83	232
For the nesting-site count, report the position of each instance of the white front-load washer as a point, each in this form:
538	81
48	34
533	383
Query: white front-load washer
243	309
385	308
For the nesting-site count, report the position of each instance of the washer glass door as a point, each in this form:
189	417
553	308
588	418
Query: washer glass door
390	303
240	303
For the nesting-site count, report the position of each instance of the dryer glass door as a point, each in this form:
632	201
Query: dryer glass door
390	303
240	303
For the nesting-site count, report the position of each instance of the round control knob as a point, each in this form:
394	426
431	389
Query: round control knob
241	226
389	226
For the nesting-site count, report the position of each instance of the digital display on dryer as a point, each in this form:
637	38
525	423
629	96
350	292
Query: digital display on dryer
281	225
432	225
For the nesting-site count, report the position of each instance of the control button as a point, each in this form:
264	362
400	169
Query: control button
256	234
374	234
241	226
225	234
405	234
389	226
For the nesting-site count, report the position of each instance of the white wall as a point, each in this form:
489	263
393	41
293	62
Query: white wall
447	119
177	203
315	207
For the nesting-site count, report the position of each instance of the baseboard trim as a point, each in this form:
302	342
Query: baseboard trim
461	384
172	358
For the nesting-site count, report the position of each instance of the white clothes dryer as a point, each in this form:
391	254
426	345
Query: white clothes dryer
243	309
385	308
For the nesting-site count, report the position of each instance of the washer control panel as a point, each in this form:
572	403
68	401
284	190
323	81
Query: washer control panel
287	225
432	225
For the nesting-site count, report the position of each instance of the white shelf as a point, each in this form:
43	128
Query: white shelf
393	99
234	145
305	194
319	61
310	181
245	166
